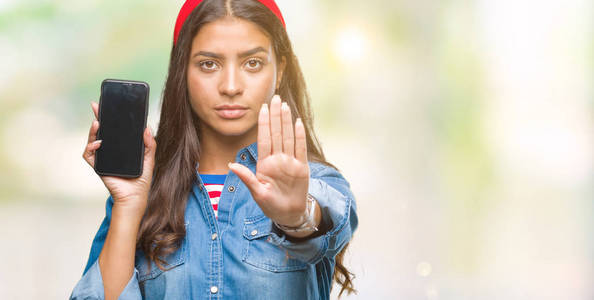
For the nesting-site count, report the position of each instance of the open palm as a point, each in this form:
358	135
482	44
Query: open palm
281	181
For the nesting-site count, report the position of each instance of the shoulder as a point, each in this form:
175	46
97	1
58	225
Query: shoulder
318	170
317	167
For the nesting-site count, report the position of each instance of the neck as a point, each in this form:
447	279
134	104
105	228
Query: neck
217	150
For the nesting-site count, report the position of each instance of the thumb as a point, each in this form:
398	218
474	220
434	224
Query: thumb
150	147
248	178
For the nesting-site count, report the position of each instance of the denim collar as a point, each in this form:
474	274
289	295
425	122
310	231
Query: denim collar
251	149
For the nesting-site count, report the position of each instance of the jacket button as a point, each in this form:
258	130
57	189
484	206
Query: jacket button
214	289
231	188
213	236
254	232
242	156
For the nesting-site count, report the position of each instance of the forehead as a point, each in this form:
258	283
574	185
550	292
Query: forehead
228	35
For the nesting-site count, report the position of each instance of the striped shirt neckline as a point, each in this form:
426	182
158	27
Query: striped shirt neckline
214	186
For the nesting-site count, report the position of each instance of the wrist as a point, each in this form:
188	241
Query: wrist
303	234
127	215
131	206
308	222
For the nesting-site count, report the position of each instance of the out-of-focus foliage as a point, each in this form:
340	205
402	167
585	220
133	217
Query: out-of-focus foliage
464	127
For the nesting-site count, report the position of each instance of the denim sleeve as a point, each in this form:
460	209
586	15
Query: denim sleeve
337	202
90	286
99	239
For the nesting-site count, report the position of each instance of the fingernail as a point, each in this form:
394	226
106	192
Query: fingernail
299	121
97	141
277	97
284	105
265	107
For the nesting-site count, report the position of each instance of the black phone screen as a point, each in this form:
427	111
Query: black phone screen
123	109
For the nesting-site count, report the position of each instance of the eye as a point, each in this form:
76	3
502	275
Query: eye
254	64
208	65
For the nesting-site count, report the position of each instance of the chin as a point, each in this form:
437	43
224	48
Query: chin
233	129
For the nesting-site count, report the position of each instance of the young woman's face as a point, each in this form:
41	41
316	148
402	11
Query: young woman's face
232	71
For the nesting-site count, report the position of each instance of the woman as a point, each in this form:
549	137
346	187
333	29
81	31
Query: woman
274	224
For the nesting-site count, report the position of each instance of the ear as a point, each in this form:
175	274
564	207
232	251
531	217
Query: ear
280	71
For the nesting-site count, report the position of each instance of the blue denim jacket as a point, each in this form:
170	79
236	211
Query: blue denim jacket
240	255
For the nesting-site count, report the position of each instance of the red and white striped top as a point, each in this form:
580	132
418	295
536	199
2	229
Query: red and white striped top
214	186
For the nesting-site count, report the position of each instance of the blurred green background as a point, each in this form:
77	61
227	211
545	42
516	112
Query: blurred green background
464	127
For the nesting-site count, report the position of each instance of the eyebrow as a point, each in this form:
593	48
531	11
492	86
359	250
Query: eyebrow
241	55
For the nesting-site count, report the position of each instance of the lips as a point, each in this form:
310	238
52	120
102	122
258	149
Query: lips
231	111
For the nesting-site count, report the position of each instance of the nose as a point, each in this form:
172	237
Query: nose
231	84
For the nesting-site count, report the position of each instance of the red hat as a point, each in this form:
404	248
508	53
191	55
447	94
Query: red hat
189	6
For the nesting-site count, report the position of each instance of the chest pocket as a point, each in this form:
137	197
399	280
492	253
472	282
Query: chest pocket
262	254
154	282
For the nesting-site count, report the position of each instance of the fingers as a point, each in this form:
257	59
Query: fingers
264	133
248	178
95	124
275	125
93	131
95	108
288	137
89	154
92	144
276	133
300	142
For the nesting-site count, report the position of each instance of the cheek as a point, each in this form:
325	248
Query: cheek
198	90
196	84
262	86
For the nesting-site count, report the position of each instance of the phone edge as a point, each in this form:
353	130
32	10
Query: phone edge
146	109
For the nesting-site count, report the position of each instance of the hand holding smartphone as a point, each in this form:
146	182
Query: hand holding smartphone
120	148
123	109
124	159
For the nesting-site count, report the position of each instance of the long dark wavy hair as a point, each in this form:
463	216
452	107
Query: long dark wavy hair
178	147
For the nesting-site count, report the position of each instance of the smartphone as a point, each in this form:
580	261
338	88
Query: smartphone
123	109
